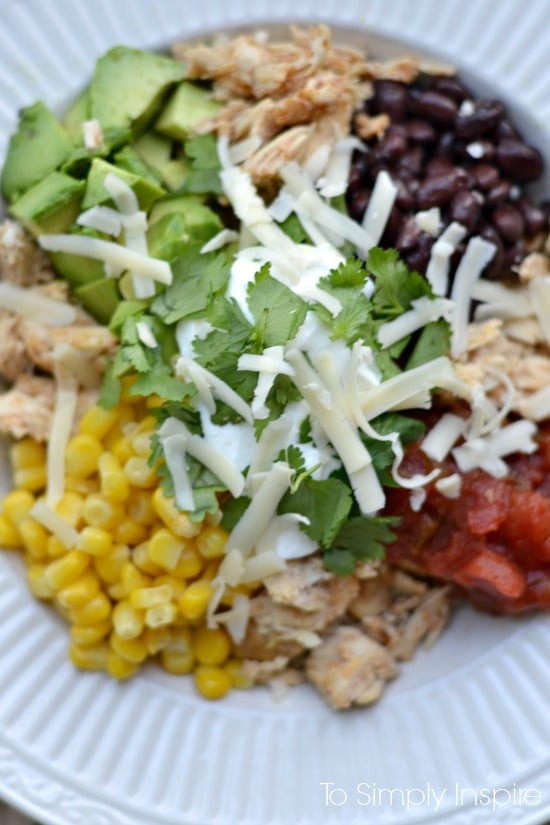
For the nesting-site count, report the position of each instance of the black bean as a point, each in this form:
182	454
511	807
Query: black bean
438	166
518	161
358	203
466	209
478	149
420	131
418	257
490	234
534	218
435	106
446	144
355	179
404	199
483	119
486	176
438	190
393	226
390	147
506	130
412	161
515	254
498	194
508	222
390	97
451	87
408	235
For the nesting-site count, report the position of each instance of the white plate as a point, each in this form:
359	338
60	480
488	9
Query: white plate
474	713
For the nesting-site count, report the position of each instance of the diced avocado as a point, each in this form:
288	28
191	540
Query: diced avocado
129	87
129	160
75	117
76	269
39	146
79	161
49	206
201	222
188	106
99	298
156	151
146	191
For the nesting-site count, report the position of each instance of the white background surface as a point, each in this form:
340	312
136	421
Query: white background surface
78	748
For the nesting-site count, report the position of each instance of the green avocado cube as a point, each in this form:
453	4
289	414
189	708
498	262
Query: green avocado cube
201	222
50	206
157	152
76	269
147	191
39	146
128	89
100	298
188	106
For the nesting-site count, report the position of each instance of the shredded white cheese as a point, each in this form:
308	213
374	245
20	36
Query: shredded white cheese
380	205
424	310
476	257
443	436
53	522
62	421
437	273
35	306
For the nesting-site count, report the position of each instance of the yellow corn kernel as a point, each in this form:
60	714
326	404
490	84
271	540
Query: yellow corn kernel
17	505
153	401
81	591
148	423
130	532
109	567
141	443
38	583
91	657
211	570
56	548
212	682
138	472
95	541
140	557
165	549
83	635
96	611
177	585
239	679
177	657
82	486
195	599
99	512
127	382
127	620
190	562
156	639
34	538
211	542
144	597
66	569
179	523
9	536
211	646
140	508
82	454
113	481
130	579
121	449
134	650
97	422
27	453
119	668
31	478
69	507
161	615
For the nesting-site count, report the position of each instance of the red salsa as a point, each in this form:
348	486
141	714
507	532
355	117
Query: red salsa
492	541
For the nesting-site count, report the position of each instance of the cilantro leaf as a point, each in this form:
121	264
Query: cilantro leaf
161	382
125	310
346	284
433	341
351	272
204	177
197	280
396	285
233	511
231	332
360	539
325	503
292	227
277	310
111	388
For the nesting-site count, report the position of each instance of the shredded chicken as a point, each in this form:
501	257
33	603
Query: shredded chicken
22	262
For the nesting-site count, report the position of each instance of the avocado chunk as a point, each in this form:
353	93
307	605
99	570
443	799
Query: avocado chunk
201	223
157	151
188	106
100	298
39	146
128	88
49	206
75	117
147	192
129	160
167	237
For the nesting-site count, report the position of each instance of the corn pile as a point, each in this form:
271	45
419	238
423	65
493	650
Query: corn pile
138	582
